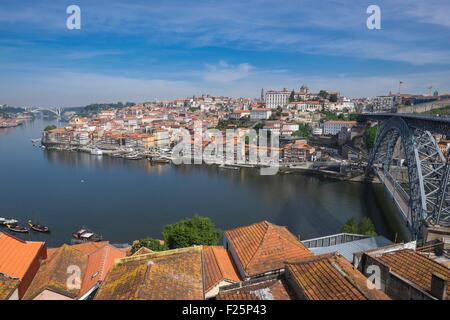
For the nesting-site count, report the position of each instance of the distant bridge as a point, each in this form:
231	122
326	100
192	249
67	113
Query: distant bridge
56	111
405	139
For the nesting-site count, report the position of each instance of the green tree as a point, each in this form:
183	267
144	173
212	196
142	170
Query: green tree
351	226
333	97
188	232
371	136
364	226
323	94
149	243
367	227
50	127
304	131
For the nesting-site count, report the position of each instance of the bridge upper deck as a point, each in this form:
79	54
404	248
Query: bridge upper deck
440	125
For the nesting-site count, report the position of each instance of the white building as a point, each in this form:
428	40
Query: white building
306	106
289	128
317	131
275	99
260	114
333	127
238	114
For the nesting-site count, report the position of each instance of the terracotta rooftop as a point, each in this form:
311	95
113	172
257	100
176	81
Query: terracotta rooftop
142	250
17	255
329	277
415	267
167	275
269	289
264	247
53	276
7	286
217	267
99	263
93	259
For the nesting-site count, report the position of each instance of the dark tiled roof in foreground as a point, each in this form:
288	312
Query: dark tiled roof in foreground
330	277
264	247
52	274
93	260
415	267
269	289
167	275
7	286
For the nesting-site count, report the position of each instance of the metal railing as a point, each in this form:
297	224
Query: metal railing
332	240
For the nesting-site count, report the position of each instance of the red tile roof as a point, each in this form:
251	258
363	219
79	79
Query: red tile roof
217	267
264	247
98	265
329	277
17	255
266	289
7	286
166	275
93	259
415	267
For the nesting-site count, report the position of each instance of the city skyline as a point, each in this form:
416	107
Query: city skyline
140	52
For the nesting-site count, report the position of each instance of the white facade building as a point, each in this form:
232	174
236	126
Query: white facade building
333	127
306	106
275	99
260	114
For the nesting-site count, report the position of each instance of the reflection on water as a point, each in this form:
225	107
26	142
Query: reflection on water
126	200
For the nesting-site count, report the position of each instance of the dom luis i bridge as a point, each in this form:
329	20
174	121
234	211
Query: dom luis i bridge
409	163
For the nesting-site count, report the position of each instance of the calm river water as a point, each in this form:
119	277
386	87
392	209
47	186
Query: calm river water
126	200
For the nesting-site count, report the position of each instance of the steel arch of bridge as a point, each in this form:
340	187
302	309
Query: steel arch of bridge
428	195
56	111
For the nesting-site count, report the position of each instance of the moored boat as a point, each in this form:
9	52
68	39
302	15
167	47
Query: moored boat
133	156
96	152
38	228
85	235
5	221
17	228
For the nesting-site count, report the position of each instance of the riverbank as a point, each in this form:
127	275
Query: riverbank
159	156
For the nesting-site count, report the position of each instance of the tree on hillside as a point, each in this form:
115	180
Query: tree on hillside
333	97
188	232
371	136
323	94
304	131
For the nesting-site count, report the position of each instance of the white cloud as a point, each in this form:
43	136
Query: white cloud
225	73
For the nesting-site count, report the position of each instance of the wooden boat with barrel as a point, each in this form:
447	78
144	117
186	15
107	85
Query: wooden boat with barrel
17	228
85	235
38	227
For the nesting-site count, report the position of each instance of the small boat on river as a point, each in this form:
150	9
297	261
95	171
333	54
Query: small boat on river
17	228
6	221
96	152
85	235
38	228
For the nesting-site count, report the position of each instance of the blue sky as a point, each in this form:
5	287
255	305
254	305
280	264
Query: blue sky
144	50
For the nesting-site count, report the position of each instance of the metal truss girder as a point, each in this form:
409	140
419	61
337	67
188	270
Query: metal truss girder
429	194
